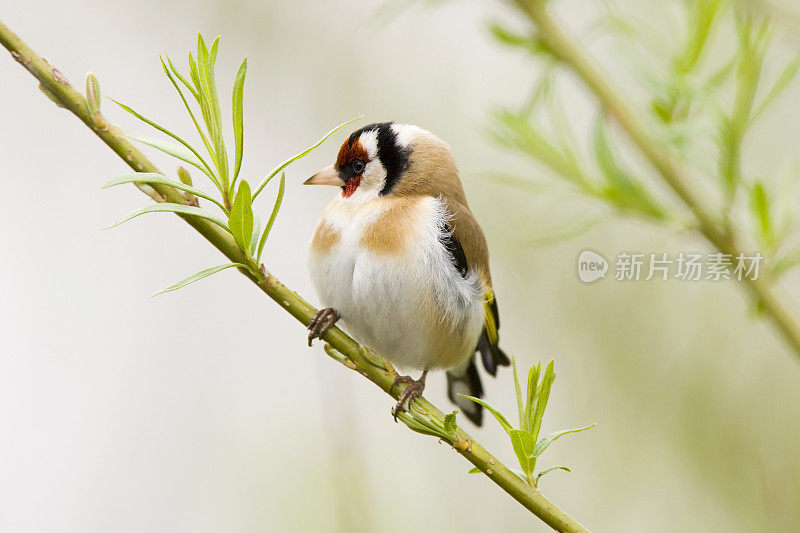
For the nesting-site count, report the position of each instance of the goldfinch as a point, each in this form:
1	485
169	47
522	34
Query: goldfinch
400	259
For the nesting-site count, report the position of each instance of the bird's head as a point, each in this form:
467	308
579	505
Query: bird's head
387	159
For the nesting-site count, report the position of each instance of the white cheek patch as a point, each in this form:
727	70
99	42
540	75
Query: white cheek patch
372	180
369	141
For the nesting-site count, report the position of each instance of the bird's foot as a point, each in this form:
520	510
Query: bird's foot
414	389
323	320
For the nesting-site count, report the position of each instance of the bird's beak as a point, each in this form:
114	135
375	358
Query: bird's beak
326	176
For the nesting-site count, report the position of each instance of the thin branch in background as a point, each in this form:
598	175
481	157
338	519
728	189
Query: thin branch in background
681	101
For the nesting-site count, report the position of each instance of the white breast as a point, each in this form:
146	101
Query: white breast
414	308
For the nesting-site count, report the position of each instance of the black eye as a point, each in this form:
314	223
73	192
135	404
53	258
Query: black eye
358	166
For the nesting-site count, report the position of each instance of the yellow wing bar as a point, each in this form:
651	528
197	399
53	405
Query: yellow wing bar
489	321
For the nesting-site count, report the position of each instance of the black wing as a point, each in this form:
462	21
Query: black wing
457	255
491	354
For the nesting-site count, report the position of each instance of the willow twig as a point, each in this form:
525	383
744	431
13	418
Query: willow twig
719	233
350	353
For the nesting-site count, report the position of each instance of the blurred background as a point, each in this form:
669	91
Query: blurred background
203	410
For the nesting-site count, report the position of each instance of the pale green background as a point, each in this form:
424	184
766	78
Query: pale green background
204	411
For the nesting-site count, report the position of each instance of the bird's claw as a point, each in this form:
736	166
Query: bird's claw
414	389
323	320
401	379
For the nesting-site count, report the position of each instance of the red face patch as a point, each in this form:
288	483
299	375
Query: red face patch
347	154
352	185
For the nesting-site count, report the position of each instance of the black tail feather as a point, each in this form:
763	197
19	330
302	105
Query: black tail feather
491	355
470	384
467	381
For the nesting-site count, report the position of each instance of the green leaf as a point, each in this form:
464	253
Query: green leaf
184	176
202	53
203	77
786	262
238	127
169	148
720	76
180	209
92	94
753	43
241	219
540	93
176	151
474	470
200	275
202	164
523	423
523	445
602	150
212	55
520	474
516	132
702	16
784	213
450	424
782	82
621	188
759	206
533	384
186	104
497	414
546	470
562	126
272	216
194	74
152	177
423	421
213	114
300	156
545	441
509	38
183	80
543	394
256	234
418	426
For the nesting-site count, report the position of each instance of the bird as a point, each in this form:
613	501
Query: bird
398	257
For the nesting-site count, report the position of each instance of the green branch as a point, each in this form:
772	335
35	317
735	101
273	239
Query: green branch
719	232
423	417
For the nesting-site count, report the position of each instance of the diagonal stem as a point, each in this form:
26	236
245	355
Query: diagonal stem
778	306
59	89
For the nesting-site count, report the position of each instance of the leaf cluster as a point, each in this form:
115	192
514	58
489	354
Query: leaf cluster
525	440
234	197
